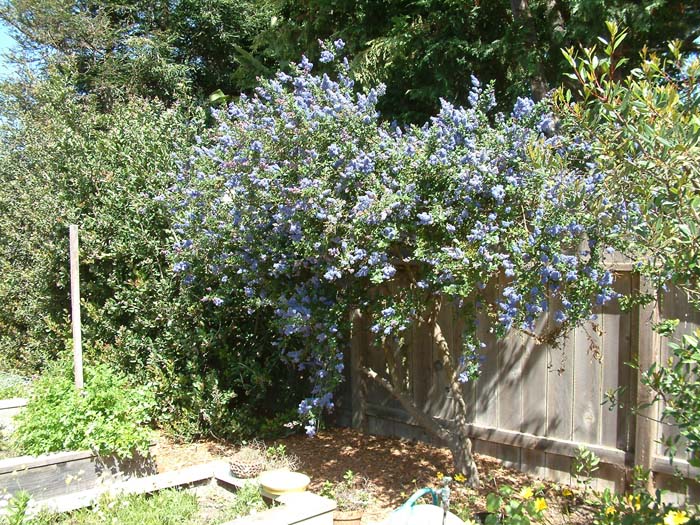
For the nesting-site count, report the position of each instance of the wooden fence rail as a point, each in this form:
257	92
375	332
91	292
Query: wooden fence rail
533	404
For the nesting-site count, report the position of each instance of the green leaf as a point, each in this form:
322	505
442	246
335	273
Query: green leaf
217	97
493	503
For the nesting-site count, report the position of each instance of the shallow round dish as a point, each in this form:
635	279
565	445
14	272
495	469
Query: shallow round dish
276	482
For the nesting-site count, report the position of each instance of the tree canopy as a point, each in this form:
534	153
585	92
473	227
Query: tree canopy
422	50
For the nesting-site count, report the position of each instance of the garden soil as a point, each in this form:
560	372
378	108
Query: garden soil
396	468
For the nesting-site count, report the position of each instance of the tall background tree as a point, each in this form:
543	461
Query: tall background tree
426	50
422	50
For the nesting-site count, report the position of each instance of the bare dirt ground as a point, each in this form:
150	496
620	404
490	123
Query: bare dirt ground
396	467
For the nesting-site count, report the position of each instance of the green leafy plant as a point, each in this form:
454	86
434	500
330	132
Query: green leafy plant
16	509
109	416
173	507
677	384
277	458
645	130
352	493
64	159
508	508
639	507
14	385
584	465
248	500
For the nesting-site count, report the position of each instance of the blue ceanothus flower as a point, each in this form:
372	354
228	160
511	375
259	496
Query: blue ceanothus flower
303	199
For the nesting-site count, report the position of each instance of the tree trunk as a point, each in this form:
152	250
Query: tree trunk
460	445
521	14
451	432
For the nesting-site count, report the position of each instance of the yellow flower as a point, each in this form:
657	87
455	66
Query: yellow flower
634	501
566	492
610	511
675	517
526	493
460	478
540	504
439	475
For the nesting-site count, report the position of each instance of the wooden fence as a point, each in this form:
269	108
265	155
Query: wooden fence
533	405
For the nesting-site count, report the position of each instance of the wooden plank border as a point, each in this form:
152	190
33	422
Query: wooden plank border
303	507
13	403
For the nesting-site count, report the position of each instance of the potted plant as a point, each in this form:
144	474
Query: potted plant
352	495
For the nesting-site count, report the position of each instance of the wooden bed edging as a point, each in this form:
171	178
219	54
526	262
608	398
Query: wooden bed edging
59	473
298	508
13	403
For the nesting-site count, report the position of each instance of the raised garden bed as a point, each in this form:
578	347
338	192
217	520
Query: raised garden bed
303	508
60	473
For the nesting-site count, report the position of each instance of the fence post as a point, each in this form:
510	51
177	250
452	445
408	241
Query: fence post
649	352
75	307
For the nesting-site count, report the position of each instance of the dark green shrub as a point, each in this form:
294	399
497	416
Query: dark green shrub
64	160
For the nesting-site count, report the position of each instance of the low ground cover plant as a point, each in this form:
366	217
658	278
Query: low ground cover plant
14	385
109	416
165	507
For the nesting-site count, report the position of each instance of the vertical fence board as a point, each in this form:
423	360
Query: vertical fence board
648	352
609	423
510	415
560	381
674	305
534	399
587	384
486	407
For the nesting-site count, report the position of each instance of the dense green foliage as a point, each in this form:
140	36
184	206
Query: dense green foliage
645	130
108	416
676	384
639	507
422	50
427	50
63	160
13	385
171	507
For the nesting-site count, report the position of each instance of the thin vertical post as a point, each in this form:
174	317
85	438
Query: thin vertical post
649	352
75	307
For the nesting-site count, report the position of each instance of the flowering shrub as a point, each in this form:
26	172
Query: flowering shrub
309	203
639	507
508	508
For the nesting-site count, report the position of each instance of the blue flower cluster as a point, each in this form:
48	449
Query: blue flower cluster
304	200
